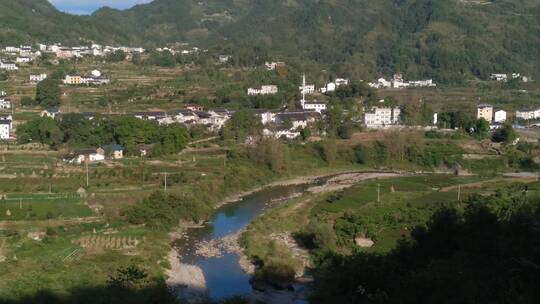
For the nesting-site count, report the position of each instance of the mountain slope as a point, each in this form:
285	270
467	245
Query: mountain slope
446	39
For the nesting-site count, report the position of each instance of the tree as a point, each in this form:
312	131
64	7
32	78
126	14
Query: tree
481	128
128	277
242	124
273	153
43	130
27	101
305	133
48	93
116	56
507	134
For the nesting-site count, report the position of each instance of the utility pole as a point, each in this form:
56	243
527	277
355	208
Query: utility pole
87	176
165	174
378	193
459	193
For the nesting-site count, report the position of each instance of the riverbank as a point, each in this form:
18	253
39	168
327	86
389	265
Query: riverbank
299	181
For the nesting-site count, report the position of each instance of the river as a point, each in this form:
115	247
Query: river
223	274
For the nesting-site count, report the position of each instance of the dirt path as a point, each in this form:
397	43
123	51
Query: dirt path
523	179
13	225
202	140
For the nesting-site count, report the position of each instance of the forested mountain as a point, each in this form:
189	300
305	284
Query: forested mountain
444	39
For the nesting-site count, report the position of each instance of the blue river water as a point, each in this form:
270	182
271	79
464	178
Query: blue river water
224	276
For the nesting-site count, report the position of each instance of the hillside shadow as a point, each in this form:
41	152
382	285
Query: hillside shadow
487	253
157	294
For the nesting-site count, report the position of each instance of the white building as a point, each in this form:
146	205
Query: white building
35	78
12	49
50	112
528	114
264	90
318	107
499	77
381	83
380	117
23	60
5	127
499	116
156	115
265	116
185	116
422	83
5	103
398	82
8	66
270	66
87	156
224	58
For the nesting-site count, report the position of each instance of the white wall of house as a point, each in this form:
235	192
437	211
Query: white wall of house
500	116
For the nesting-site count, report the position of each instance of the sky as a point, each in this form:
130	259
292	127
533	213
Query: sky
85	7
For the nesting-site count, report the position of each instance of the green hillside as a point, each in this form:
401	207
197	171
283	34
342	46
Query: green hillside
449	40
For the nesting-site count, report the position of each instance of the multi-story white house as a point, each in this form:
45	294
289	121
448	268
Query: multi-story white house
5	127
380	117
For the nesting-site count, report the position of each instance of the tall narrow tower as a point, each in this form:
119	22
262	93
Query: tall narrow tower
303	101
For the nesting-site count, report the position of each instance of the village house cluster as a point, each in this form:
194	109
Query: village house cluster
397	82
111	152
94	78
181	49
191	115
506	77
488	113
11	56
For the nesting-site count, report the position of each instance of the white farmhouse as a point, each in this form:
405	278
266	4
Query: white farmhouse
23	60
265	116
380	84
5	103
264	90
8	66
318	107
499	116
50	112
87	156
36	78
270	66
380	117
528	114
